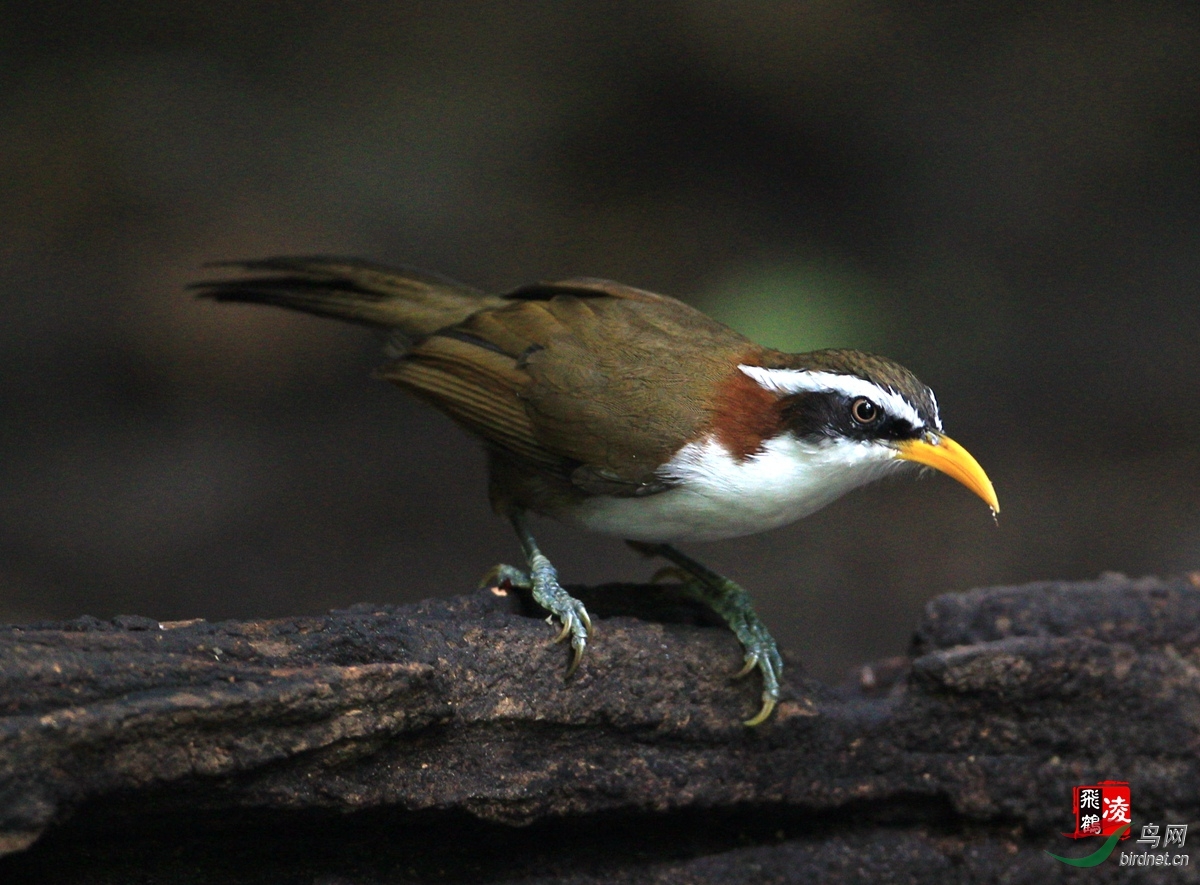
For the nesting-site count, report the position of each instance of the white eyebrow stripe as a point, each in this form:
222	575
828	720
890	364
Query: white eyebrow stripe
802	380
937	415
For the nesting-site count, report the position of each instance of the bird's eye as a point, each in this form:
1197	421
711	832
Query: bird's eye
864	411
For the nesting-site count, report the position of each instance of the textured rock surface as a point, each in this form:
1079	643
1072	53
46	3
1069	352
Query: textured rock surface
440	742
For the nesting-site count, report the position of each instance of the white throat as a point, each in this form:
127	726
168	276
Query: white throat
720	496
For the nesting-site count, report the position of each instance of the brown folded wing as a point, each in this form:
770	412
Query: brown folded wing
597	380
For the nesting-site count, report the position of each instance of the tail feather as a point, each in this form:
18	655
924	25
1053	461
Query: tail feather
412	302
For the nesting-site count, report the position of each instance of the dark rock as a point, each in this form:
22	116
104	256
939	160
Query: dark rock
440	741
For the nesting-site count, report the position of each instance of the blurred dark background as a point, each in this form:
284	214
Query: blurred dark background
1005	197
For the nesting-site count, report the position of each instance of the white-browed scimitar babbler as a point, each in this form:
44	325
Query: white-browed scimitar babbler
620	411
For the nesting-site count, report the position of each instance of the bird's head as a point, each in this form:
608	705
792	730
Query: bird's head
864	413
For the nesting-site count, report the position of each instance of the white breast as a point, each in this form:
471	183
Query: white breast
719	496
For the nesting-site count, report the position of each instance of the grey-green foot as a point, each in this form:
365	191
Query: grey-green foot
542	580
550	595
733	604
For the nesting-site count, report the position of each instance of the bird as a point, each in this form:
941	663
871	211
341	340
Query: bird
620	411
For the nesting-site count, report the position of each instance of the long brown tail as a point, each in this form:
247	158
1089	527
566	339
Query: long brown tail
412	302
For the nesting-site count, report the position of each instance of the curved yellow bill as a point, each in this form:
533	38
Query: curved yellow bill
944	454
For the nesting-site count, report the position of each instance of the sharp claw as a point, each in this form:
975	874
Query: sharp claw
587	620
565	632
575	659
768	707
747	668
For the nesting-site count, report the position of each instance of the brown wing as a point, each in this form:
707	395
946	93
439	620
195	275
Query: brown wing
599	380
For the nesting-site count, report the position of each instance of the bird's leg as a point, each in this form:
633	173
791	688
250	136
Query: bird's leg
542	579
733	604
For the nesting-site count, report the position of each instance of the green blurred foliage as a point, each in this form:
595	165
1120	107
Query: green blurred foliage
800	307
